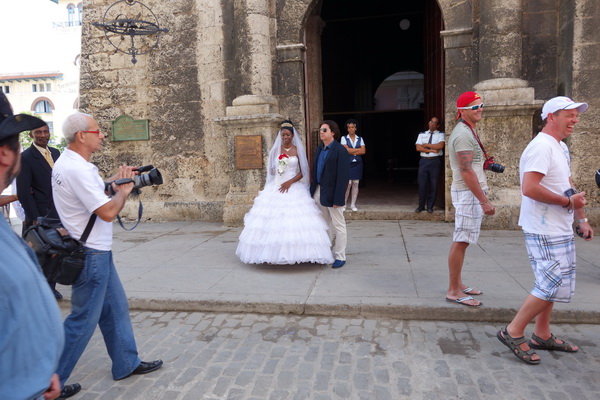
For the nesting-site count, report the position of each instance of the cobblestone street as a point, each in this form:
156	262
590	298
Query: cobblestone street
249	356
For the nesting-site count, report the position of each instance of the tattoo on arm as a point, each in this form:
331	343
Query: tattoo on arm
465	160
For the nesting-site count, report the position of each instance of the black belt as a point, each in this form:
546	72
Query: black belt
431	157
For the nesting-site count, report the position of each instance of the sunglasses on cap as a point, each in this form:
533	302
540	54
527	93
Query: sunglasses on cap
474	108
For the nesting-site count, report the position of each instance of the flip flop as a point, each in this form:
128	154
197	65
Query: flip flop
462	301
471	291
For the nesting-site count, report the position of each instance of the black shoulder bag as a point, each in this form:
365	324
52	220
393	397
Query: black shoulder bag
61	257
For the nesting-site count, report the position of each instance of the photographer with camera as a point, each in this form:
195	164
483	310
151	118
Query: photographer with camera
549	204
468	190
97	296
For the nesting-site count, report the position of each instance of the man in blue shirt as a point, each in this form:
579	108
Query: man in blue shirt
330	176
31	333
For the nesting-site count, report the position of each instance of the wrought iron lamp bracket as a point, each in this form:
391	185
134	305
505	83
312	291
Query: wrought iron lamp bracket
117	25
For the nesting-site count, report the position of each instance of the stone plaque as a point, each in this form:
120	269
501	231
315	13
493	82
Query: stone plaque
127	128
248	152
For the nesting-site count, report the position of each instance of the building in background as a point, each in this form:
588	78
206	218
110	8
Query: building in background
215	89
44	80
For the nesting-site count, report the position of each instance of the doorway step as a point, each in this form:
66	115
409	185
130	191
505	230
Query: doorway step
393	212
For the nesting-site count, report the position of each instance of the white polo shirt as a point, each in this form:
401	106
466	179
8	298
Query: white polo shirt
78	190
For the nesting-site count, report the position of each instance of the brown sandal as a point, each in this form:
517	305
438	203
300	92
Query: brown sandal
514	344
550	344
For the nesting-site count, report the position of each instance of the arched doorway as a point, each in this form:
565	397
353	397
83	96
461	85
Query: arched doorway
373	54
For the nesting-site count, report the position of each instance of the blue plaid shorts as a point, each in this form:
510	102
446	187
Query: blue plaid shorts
553	261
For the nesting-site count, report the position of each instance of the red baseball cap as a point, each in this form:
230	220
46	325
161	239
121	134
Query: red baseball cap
466	98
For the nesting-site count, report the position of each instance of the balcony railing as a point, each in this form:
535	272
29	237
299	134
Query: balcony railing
66	24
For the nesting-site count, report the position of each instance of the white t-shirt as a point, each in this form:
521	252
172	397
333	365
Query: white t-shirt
437	137
78	190
546	155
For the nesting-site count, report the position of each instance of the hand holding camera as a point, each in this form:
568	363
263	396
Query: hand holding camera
124	181
579	200
135	176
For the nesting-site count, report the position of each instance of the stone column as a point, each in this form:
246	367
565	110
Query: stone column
255	112
253	29
248	116
505	131
458	45
500	42
289	81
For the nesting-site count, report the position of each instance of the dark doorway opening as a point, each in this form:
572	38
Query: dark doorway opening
382	64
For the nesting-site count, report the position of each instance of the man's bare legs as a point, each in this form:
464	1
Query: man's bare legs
533	308
456	259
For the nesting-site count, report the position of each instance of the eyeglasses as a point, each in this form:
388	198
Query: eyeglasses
324	129
474	108
96	132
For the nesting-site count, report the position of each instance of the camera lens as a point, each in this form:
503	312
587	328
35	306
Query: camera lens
498	168
151	178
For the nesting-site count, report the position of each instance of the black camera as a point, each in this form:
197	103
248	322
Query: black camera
490	165
598	178
153	177
570	192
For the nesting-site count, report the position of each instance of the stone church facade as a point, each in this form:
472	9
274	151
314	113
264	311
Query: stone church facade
231	69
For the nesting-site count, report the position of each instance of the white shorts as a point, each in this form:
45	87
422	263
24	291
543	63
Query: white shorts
467	219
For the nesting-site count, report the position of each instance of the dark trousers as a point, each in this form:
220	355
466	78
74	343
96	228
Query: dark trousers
429	170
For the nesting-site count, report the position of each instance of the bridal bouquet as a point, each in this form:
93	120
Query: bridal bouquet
282	162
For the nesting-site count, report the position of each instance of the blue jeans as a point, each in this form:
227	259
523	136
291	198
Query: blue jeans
98	298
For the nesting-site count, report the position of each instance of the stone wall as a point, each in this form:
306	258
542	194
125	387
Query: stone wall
217	53
178	87
585	143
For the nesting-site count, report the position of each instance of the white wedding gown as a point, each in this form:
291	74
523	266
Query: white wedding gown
284	228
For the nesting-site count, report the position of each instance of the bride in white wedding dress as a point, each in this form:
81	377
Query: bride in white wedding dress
285	226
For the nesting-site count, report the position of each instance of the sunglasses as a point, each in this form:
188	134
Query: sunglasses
474	108
324	129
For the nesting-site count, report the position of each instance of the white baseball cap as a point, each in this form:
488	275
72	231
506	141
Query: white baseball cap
562	103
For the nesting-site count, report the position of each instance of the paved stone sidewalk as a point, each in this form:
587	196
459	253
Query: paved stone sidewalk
395	269
258	357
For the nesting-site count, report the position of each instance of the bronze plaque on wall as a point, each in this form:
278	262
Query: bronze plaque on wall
127	128
248	152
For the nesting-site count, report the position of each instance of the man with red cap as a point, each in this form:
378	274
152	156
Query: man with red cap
468	190
548	207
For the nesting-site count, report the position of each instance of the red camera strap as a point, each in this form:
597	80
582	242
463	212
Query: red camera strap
476	138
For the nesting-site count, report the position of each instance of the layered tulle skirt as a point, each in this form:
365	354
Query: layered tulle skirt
284	228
